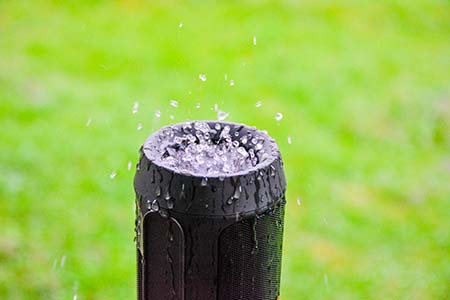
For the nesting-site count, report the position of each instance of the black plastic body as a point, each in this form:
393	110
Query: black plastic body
193	244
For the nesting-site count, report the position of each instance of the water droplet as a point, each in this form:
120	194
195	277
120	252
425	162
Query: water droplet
202	77
130	164
158	113
135	107
272	171
63	261
171	117
173	103
258	104
289	140
180	25
221	115
113	175
278	116
139	126
231	82
299	200
158	191
197	105
155	205
204	181
254	40
88	122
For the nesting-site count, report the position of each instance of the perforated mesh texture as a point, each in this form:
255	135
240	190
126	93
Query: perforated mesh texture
250	258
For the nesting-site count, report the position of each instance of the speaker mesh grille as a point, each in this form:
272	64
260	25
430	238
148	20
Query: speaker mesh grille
250	258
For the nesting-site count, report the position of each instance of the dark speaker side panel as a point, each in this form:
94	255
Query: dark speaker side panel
250	258
162	269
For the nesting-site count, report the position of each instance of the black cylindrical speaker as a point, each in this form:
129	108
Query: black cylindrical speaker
210	200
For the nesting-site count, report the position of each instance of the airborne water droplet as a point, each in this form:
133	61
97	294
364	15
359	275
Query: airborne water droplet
278	116
258	104
289	140
231	82
221	115
113	174
135	107
130	164
174	103
139	126
88	123
299	200
197	105
254	40
158	113
202	77
180	25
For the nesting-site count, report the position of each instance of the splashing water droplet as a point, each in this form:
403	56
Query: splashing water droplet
231	82
278	116
221	115
88	122
130	164
113	175
258	104
299	200
139	126
63	261
158	113
254	40
202	77
135	107
173	103
289	140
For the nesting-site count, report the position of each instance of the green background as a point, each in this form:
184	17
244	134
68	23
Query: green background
364	89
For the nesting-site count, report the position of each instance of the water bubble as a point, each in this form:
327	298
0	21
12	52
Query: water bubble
113	174
202	77
254	40
231	82
258	104
221	115
289	140
173	103
130	164
278	116
158	113
139	126
88	122
299	200
135	107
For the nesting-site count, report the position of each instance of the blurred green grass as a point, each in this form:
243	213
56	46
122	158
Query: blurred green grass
364	89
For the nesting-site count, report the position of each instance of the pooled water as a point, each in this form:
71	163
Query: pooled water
219	149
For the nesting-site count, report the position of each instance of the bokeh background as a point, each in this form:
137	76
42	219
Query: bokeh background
364	90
